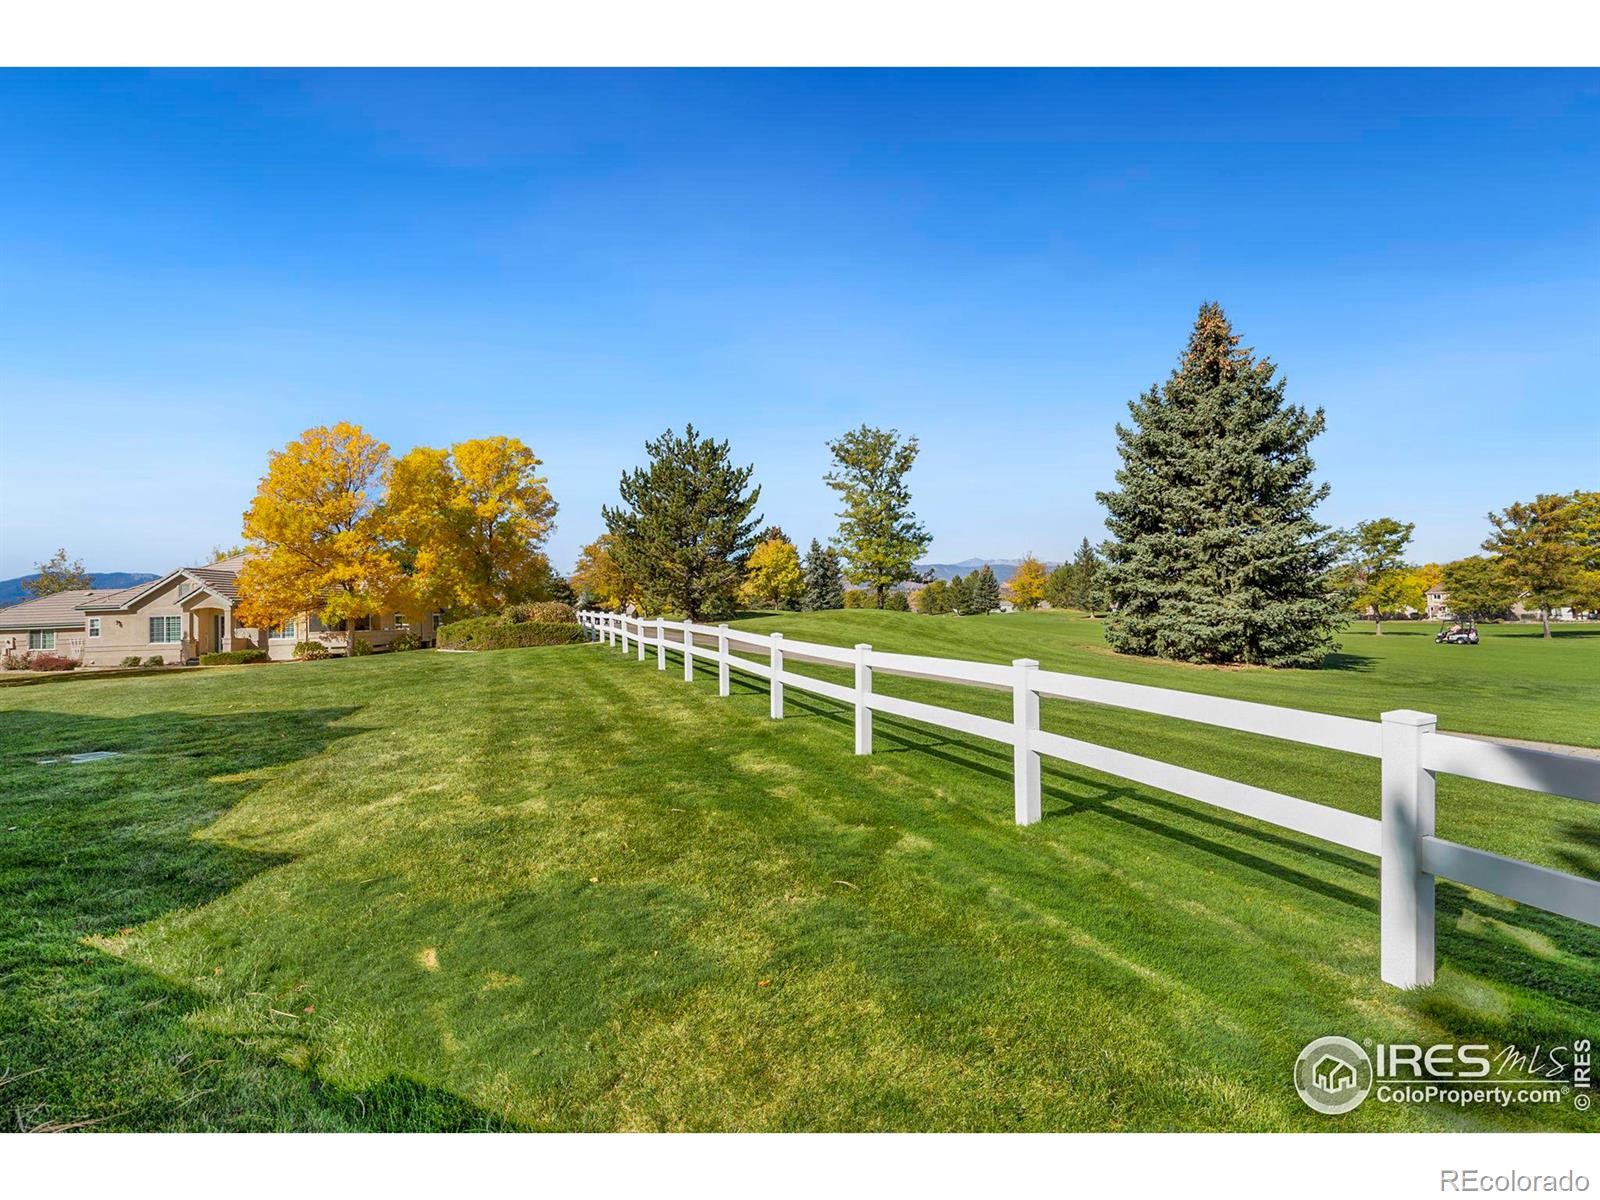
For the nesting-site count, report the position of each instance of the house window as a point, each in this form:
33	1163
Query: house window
94	626
438	620
184	588
316	624
286	630
362	624
41	639
400	621
166	629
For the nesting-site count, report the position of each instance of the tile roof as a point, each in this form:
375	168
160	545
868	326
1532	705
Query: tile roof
219	579
58	611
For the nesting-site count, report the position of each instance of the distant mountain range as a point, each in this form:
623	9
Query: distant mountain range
1004	568
11	589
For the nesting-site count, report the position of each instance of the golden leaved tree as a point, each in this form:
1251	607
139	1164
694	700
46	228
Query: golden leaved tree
472	521
1028	584
318	537
599	578
772	576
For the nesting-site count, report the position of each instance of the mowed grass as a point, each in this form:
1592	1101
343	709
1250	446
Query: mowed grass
558	889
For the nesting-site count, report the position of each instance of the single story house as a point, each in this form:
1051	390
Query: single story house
179	617
48	623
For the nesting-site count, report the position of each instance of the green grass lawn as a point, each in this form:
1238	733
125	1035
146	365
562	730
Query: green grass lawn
557	889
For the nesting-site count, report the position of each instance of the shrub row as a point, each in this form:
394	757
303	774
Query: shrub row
499	633
224	658
39	660
541	612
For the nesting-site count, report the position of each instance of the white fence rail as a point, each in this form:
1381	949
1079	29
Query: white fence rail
1408	743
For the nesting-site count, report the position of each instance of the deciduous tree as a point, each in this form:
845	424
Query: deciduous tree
1216	555
772	576
598	578
1477	587
934	598
1059	586
1379	577
879	536
56	574
318	537
685	525
471	522
1540	550
1028	585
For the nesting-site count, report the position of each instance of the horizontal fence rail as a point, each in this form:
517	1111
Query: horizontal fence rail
1411	749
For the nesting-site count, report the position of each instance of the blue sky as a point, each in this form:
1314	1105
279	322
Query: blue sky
195	266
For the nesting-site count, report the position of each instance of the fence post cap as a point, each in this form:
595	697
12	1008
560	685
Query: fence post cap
778	636
1024	662
722	625
863	645
1411	717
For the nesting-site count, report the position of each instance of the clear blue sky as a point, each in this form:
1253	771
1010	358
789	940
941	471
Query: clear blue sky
195	266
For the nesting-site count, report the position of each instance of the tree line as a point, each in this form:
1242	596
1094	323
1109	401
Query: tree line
1544	554
1214	554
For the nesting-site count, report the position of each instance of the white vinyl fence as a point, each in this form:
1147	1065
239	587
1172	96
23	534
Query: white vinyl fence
1410	746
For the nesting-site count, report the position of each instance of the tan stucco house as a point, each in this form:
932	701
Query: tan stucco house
178	617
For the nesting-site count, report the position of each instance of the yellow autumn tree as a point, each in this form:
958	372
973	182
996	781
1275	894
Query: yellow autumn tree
316	532
472	521
772	576
600	579
1028	584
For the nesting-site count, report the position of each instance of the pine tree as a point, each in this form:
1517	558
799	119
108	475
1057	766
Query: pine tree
824	579
959	595
985	590
1216	555
1085	577
879	536
685	528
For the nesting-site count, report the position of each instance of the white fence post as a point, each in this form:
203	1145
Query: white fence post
1025	759
776	709
661	644
722	659
688	650
611	629
863	696
1405	892
622	627
639	639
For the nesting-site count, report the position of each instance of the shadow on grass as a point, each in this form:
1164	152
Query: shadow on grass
91	850
1521	946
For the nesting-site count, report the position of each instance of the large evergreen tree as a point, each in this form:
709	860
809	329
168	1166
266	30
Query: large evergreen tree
824	579
1215	553
879	536
685	527
985	590
959	595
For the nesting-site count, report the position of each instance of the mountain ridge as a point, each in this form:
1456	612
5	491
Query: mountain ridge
11	589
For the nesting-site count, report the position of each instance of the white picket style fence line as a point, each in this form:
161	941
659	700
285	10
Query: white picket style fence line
1409	744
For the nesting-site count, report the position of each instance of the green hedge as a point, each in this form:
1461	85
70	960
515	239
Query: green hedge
225	658
497	633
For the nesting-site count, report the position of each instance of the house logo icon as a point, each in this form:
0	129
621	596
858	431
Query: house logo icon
1333	1075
